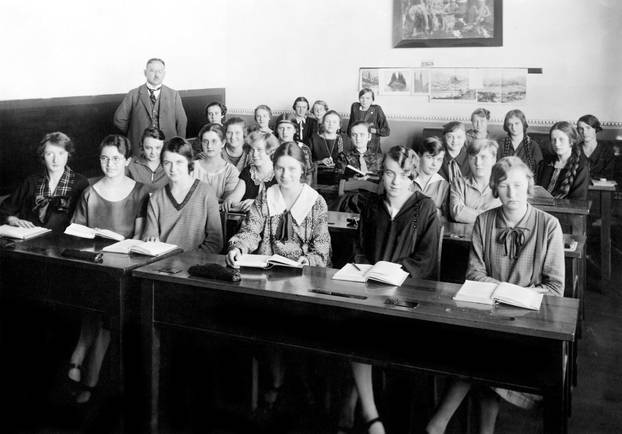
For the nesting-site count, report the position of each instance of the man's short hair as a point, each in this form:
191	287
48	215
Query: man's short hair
155	59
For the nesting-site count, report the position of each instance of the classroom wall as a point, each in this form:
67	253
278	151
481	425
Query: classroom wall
65	48
281	49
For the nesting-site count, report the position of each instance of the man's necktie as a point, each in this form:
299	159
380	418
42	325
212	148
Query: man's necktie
152	96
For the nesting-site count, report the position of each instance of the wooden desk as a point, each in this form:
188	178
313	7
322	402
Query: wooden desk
605	196
507	347
36	271
569	211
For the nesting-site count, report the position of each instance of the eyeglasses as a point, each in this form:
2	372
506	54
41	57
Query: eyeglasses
113	160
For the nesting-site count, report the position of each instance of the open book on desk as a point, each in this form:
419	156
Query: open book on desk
149	248
490	293
266	261
82	231
22	233
350	170
383	272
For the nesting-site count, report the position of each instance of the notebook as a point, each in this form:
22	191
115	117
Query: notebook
85	232
382	271
604	182
22	233
266	261
149	248
490	293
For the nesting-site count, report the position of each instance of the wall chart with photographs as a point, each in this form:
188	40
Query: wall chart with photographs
473	85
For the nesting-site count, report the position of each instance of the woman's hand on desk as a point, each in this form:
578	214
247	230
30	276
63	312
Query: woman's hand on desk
152	239
232	257
15	221
303	260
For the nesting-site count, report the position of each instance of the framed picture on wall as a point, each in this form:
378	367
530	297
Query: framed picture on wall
447	23
396	81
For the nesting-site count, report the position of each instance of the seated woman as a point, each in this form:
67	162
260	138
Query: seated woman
185	211
263	115
215	113
212	169
318	110
514	243
479	119
235	151
566	174
455	162
115	202
365	110
431	153
600	156
147	169
305	124
48	198
400	226
517	142
289	219
326	147
257	177
286	131
472	195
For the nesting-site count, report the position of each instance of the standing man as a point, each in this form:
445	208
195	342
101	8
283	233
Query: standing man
151	105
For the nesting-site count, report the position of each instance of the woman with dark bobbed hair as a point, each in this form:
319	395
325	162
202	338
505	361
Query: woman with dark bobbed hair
49	197
517	142
599	155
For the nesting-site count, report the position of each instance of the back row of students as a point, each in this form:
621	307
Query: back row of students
288	217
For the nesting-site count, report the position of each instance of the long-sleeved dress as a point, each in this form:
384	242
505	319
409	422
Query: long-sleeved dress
119	216
497	255
193	223
373	116
601	160
410	238
33	201
551	178
269	228
467	200
528	150
453	167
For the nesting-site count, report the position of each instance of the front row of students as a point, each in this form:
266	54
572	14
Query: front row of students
513	242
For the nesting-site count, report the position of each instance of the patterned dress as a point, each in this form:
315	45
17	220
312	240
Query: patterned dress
302	231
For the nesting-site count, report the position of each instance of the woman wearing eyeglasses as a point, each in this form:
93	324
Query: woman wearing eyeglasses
118	203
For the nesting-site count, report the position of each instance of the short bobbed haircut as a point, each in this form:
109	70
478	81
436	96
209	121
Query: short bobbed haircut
320	102
452	126
217	128
223	108
430	145
263	107
500	172
361	122
331	113
301	99
568	129
515	114
592	121
369	91
120	142
481	112
257	136
291	149
56	138
154	133
478	145
180	146
235	121
405	158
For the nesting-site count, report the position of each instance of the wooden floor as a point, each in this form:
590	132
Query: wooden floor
596	406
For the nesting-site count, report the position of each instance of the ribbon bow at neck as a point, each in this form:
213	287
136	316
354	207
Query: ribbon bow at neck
512	239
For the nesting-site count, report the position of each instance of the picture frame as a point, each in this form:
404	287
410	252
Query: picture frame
447	23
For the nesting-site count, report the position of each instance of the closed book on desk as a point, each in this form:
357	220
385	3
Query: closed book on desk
149	248
266	261
604	182
82	231
22	233
541	196
383	272
490	293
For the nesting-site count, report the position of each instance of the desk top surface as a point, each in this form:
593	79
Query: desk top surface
49	247
563	206
556	319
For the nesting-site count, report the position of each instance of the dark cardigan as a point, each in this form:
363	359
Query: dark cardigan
410	239
578	189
